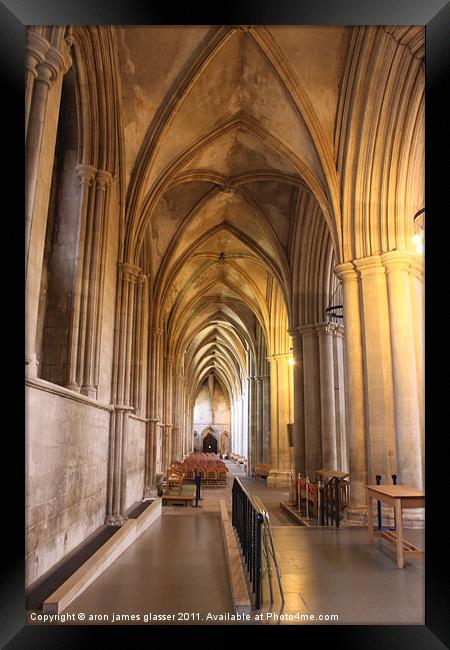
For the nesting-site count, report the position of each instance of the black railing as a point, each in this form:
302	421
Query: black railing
330	502
247	519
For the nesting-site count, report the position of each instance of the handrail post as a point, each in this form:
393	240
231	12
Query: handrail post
378	480
307	498
338	501
394	482
258	562
319	502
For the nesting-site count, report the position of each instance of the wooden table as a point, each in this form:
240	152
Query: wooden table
186	497
400	497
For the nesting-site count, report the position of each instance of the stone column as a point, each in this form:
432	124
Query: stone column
265	379
252	410
311	380
258	422
299	406
86	174
273	412
280	407
139	342
150	466
327	401
36	47
116	504
284	413
339	387
416	277
355	397
92	286
101	281
407	421
378	370
47	73
40	141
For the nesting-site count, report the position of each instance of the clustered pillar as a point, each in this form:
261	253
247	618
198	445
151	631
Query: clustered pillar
46	64
122	394
384	365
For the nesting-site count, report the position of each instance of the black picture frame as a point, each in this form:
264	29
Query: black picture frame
435	14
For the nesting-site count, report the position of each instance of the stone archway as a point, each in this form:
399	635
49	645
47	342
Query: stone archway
210	444
224	443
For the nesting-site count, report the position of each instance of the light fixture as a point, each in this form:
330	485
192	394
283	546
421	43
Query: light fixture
419	231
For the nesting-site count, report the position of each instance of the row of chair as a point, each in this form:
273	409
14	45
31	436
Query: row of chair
240	460
212	474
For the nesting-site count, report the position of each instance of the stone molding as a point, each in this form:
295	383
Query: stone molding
127	267
55	389
346	272
133	416
86	173
326	328
307	330
103	178
417	267
54	63
279	357
370	266
36	48
397	261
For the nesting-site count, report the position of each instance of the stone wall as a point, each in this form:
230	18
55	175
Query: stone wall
135	459
66	458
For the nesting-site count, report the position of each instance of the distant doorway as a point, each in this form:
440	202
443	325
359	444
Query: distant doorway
209	444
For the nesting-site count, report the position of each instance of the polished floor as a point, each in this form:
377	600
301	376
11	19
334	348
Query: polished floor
178	568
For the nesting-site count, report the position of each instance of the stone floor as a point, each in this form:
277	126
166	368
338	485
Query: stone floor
178	566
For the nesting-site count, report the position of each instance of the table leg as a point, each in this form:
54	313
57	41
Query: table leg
399	527
370	517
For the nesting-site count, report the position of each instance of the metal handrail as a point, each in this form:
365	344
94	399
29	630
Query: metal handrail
269	549
247	520
252	522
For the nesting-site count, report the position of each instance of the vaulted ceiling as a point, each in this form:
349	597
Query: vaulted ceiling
228	135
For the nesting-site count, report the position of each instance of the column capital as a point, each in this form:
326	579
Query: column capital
279	357
142	278
397	260
103	178
369	266
294	333
346	272
55	62
127	267
417	267
36	47
86	173
307	330
326	328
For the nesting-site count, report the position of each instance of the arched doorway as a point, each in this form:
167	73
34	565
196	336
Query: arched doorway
210	444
